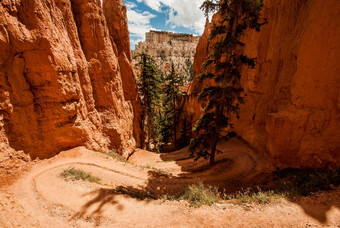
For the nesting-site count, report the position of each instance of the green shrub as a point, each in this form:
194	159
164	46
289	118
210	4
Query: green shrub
199	194
77	174
259	197
156	170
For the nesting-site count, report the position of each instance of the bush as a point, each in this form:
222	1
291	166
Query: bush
77	174
258	197
156	170
199	194
115	155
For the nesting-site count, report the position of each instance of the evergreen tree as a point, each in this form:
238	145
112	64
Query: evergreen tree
149	91
223	65
172	92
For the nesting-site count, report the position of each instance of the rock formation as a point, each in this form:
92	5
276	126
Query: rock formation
167	47
292	108
116	17
62	77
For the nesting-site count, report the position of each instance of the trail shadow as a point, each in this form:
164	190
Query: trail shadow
314	191
94	208
101	197
318	209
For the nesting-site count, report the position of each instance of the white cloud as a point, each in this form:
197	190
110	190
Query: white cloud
139	23
130	5
153	4
185	13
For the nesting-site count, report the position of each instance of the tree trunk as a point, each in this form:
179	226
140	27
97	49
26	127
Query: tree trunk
142	135
175	132
175	124
213	151
143	146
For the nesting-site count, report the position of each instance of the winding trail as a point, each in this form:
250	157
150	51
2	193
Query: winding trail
41	198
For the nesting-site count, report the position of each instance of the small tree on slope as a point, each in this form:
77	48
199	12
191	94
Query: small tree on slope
222	65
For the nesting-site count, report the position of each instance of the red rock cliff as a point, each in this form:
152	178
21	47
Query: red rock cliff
292	110
116	17
62	78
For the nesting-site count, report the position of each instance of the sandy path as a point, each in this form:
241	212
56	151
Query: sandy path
40	198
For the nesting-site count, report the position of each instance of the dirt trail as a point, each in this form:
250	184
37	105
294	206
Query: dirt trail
40	198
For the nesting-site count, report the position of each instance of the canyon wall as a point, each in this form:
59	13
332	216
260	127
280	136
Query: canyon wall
167	47
64	70
292	108
116	17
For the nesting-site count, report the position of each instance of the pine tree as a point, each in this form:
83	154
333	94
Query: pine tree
223	64
172	92
149	91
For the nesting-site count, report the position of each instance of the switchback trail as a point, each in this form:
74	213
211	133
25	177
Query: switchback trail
41	198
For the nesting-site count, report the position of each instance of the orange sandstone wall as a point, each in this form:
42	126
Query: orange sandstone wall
61	83
116	17
292	108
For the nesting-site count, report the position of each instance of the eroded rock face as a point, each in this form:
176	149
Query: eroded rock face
116	17
167	48
60	79
292	110
131	94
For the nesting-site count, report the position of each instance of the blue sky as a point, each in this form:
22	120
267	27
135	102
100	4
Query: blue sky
183	16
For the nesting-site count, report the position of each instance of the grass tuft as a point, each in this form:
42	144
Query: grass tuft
115	155
165	161
77	174
159	171
199	194
249	196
